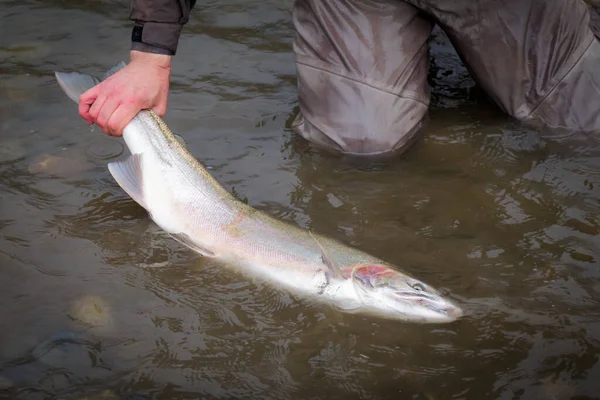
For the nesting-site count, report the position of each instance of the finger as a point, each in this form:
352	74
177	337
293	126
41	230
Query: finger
121	117
96	107
85	101
108	108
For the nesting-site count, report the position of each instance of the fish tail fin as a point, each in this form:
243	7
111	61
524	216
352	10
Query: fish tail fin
74	84
120	65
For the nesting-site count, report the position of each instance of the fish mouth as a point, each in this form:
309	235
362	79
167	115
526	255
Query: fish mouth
444	309
450	311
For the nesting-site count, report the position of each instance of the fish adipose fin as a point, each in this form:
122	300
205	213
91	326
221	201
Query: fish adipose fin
335	271
128	174
181	140
187	241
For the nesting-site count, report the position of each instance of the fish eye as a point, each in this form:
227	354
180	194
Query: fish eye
418	287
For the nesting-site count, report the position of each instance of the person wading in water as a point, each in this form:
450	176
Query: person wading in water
362	65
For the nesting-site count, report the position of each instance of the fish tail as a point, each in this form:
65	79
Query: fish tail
74	84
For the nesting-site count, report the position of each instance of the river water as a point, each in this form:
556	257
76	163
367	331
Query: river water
97	303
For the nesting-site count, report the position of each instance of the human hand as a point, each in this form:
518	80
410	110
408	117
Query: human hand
142	84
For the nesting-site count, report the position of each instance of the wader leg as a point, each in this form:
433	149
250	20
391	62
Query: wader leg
362	73
536	59
574	104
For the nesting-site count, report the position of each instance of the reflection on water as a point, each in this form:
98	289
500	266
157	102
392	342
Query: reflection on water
98	303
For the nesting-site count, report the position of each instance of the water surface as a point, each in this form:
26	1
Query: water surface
97	303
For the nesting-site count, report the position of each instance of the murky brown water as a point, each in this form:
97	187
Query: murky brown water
97	303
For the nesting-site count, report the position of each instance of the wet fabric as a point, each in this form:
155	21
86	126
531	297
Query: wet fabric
362	65
362	73
574	103
595	19
532	57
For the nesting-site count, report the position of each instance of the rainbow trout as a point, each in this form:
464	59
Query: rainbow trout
184	200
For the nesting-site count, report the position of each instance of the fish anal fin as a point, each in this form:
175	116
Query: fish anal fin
349	307
332	267
128	174
187	241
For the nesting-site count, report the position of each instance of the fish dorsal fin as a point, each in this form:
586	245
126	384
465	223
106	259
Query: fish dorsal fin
328	261
114	70
128	174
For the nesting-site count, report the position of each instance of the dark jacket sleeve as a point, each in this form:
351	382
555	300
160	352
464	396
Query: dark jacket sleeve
158	24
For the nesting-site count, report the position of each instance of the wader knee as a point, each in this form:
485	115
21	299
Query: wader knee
362	73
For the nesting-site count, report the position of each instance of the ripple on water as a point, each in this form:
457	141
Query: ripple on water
105	149
56	166
54	365
11	149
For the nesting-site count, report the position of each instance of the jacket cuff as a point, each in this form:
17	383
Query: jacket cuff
155	37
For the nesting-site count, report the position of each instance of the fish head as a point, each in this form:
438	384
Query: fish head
384	290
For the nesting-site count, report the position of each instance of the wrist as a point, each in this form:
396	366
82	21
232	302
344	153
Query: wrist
162	61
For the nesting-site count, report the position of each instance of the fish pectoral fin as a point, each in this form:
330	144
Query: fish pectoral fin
349	307
332	267
128	174
187	241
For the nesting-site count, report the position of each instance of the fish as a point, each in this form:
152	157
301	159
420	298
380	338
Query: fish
187	202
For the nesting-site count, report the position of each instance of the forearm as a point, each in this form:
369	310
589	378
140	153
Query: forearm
158	24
